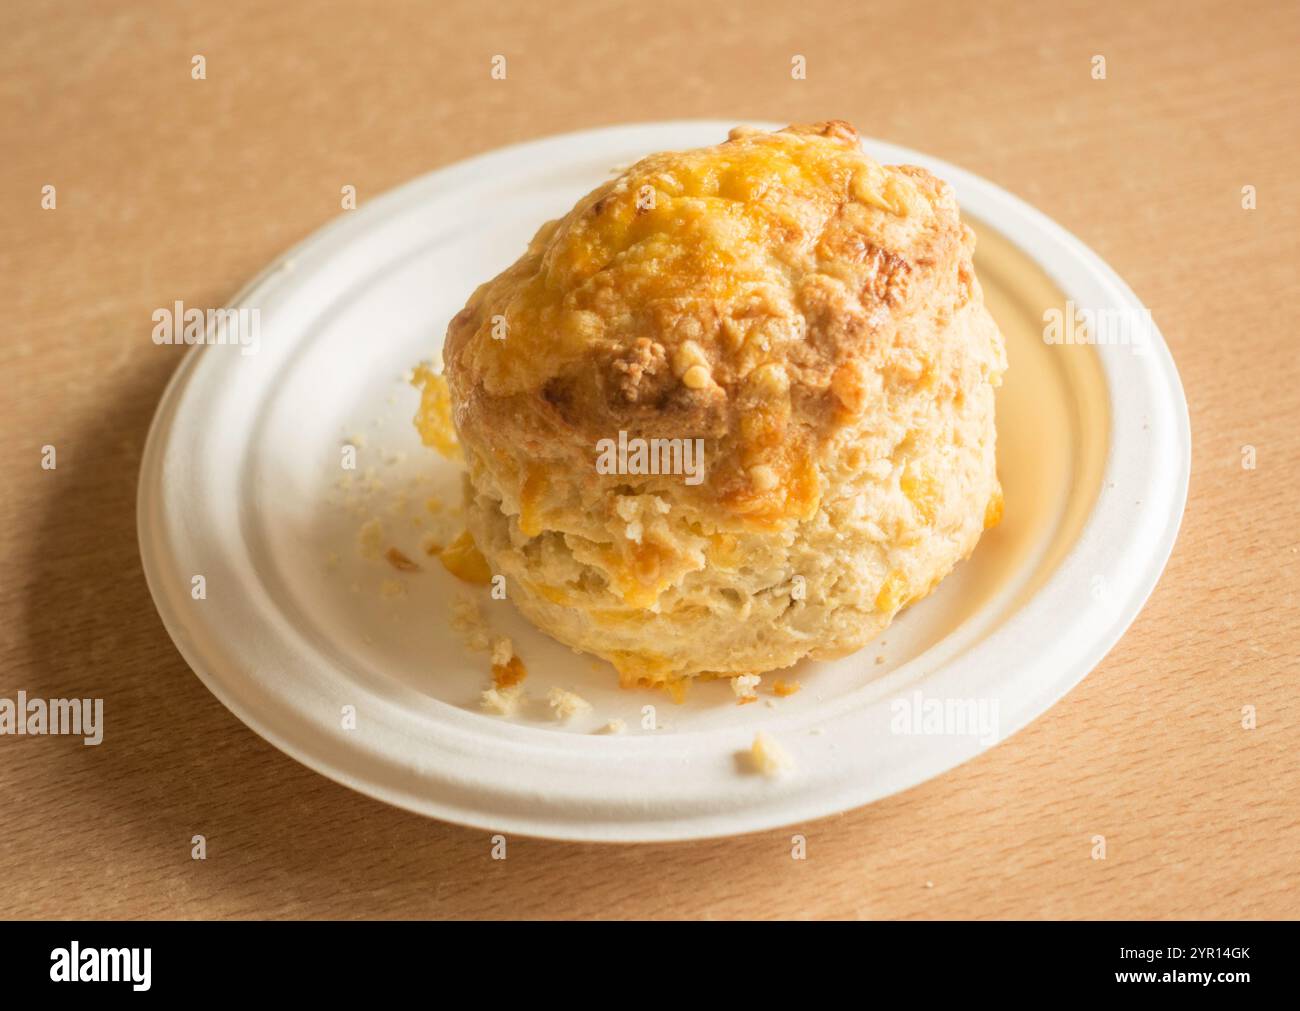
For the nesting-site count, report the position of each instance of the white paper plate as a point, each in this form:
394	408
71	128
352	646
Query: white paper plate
238	485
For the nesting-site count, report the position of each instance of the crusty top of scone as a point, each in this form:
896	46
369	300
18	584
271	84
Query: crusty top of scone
755	294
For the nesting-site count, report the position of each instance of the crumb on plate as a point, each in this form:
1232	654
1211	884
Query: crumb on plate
745	687
566	704
503	701
507	669
769	757
467	621
399	561
370	539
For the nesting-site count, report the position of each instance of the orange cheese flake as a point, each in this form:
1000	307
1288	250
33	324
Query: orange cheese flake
463	560
922	490
433	419
892	592
399	561
530	497
796	496
637	571
509	674
993	511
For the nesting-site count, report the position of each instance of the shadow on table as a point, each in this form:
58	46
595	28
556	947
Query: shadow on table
173	762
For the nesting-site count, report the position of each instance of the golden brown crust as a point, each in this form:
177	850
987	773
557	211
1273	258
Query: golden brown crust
769	265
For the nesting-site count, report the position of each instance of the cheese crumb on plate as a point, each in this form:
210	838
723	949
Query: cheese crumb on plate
769	757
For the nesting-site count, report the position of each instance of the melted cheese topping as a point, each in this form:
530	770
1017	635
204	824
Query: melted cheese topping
724	225
688	281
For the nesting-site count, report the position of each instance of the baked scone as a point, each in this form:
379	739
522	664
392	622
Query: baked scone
808	320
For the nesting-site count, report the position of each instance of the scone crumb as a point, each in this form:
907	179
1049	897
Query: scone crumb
430	545
786	688
507	669
467	620
566	704
768	757
746	687
370	539
502	650
503	701
614	727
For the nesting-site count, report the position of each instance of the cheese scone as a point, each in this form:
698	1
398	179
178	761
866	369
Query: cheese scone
733	410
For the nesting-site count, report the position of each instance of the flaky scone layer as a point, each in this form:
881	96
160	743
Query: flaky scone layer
814	319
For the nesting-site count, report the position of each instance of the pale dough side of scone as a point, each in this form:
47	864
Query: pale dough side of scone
814	318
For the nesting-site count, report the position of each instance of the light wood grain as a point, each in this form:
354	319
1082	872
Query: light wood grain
170	188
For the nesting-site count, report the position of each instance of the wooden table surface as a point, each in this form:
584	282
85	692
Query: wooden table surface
173	188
